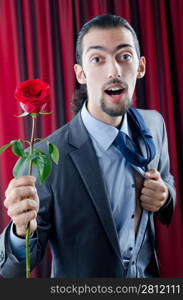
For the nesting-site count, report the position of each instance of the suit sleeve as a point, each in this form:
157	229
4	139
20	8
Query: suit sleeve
165	213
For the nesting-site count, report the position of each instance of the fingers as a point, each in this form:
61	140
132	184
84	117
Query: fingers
152	203
21	230
152	174
148	206
22	203
152	188
18	193
23	219
22	206
154	192
21	181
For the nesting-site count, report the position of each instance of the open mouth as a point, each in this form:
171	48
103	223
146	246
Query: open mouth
114	91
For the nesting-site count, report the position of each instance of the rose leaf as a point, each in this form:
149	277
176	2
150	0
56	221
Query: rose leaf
17	148
44	166
3	148
54	152
18	167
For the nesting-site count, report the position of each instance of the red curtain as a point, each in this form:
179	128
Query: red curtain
37	40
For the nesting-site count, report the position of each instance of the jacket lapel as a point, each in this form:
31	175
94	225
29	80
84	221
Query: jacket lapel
86	162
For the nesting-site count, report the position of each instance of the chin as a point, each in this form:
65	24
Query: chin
115	111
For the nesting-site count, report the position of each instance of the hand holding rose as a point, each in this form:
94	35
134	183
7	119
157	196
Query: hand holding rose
154	192
22	203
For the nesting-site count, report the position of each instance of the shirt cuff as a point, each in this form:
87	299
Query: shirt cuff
17	244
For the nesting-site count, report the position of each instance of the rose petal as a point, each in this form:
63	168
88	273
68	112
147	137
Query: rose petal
32	95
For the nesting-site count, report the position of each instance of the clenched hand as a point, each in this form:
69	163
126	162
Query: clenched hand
154	192
22	203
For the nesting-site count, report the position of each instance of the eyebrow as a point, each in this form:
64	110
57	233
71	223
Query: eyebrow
97	47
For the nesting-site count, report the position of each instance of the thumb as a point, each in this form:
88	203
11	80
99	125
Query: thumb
152	174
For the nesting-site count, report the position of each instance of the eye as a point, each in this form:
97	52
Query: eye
95	59
125	57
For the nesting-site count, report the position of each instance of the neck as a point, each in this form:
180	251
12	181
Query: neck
104	117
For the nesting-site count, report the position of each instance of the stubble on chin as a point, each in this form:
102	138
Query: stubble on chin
117	110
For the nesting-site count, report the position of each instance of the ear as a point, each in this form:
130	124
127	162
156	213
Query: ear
142	67
79	74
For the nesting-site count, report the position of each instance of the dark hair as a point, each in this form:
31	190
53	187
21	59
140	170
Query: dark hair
102	21
79	97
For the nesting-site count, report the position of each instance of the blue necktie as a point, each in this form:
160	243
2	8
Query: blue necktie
128	148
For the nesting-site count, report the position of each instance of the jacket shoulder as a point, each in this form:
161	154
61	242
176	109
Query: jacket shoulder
153	119
60	132
151	115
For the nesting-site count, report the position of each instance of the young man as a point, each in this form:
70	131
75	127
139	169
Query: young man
97	207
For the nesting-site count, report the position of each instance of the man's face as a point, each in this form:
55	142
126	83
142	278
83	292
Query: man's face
109	69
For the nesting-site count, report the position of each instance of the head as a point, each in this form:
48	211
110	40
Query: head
108	64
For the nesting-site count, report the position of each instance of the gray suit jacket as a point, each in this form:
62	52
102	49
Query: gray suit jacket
75	216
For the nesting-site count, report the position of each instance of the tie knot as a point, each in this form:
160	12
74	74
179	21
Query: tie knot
121	139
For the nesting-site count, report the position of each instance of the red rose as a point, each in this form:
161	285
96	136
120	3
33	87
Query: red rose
33	95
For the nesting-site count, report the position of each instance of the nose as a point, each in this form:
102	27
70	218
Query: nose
114	70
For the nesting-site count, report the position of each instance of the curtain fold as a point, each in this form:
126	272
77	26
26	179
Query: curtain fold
37	40
8	107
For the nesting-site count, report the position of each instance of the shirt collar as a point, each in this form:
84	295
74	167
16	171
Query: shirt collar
103	133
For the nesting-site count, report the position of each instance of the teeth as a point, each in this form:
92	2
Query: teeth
115	89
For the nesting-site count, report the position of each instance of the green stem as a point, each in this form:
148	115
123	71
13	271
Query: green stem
27	238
